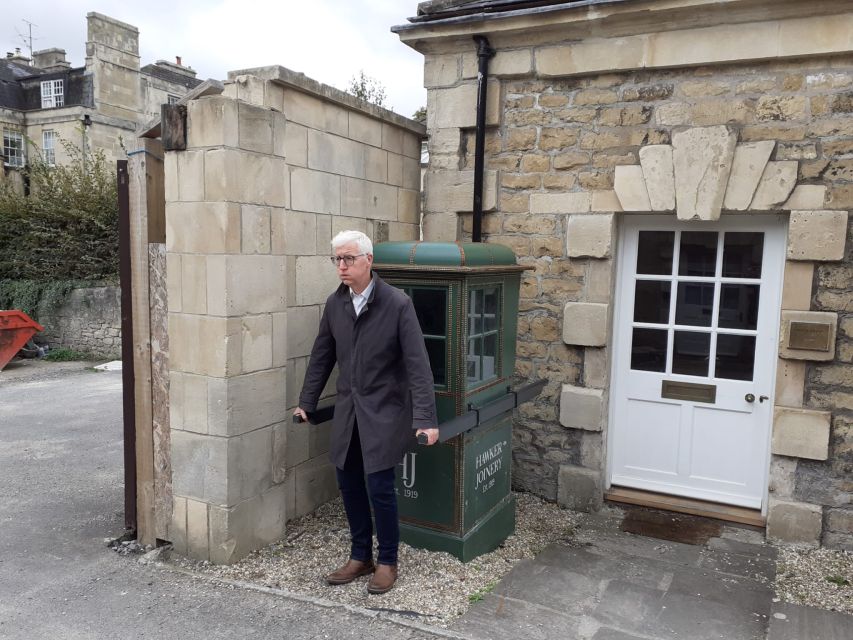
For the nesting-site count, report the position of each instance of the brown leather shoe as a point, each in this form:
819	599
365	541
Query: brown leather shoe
350	571
383	578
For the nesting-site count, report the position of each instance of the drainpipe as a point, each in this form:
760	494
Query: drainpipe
484	52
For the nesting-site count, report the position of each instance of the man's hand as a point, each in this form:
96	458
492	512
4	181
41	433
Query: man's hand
299	411
431	434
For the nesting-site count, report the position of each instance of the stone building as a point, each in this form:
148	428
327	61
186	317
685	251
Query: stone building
102	105
677	175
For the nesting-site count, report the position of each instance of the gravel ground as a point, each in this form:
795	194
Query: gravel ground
434	586
820	578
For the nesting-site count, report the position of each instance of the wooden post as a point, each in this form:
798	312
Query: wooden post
147	204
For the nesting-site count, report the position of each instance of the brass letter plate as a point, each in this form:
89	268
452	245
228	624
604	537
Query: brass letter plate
809	336
688	391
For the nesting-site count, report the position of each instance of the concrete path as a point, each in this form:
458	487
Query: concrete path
61	495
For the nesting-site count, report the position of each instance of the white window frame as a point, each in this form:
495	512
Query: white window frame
48	145
172	98
52	94
13	154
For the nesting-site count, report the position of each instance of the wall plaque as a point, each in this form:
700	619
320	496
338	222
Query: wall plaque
809	336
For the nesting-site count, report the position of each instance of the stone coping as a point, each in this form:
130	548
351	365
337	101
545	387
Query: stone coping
299	81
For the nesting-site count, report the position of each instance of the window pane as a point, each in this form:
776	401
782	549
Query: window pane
690	353
490	309
738	306
735	357
742	254
437	360
431	307
648	350
698	253
490	356
475	310
654	253
695	304
651	301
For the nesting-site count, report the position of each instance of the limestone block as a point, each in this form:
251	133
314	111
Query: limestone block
344	223
790	382
585	324
249	465
279	451
794	522
581	408
395	169
797	285
296	145
590	235
336	119
171	182
659	175
212	122
748	165
249	89
324	234
457	106
516	62
392	138
376	164
193	284
605	201
188	402
805	197
190	175
365	129
222	354
363	199
245	284
776	184
197	530
302	329
199	470
801	433
412	145
412	174
256	342
578	202
250	525
174	274
599	281
316	280
304	109
315	484
238	176
279	339
333	154
203	227
441	226
630	186
817	235
295	372
244	403
702	158
408	206
453	191
315	191
818	318
255	128
589	55
579	489
177	530
255	229
441	70
279	134
595	374
298	444
293	232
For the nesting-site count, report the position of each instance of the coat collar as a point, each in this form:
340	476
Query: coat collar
378	284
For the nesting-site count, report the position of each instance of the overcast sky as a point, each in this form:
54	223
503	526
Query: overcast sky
328	40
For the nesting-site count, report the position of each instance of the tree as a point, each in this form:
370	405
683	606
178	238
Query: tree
420	115
369	89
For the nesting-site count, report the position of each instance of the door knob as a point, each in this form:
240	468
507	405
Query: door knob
749	397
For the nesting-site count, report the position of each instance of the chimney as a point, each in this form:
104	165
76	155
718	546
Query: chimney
50	60
176	67
18	57
178	60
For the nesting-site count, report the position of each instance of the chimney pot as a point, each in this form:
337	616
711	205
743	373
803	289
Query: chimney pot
178	60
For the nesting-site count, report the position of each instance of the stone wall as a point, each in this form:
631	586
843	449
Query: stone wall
273	169
553	146
88	321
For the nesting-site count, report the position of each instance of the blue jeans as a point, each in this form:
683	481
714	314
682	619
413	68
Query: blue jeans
380	489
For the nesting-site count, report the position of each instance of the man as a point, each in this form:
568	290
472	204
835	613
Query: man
385	399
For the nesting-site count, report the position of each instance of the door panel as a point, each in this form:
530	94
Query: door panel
698	307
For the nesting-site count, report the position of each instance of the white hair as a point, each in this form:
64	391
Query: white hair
345	237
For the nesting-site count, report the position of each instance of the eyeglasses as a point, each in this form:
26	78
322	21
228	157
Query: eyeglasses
347	260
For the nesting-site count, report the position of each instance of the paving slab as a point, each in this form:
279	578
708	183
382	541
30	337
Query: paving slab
498	617
796	622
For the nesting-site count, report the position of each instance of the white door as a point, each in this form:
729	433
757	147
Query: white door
696	326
